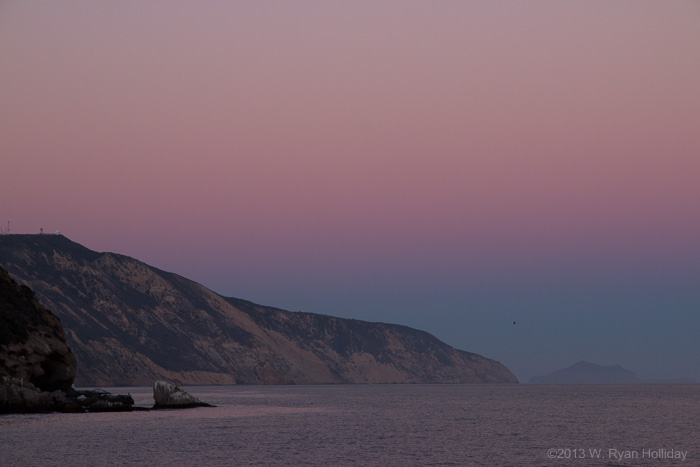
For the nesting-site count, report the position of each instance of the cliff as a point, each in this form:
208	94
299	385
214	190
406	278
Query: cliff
130	324
32	343
36	365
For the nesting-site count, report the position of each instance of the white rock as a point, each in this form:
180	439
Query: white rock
167	395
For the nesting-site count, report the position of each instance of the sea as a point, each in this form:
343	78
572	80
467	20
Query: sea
375	425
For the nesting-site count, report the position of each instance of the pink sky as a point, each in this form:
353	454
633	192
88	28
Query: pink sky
308	154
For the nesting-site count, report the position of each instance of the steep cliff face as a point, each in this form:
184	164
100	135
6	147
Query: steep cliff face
32	343
130	324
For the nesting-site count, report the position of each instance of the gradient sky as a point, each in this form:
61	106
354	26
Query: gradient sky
453	166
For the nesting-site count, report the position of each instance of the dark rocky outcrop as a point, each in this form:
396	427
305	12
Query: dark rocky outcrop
97	400
18	395
32	343
167	396
37	368
588	373
131	324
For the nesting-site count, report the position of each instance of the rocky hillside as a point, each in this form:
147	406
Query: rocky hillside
130	324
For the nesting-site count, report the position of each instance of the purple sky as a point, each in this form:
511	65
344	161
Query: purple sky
452	166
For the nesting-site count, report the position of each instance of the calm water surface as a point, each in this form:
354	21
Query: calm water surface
373	425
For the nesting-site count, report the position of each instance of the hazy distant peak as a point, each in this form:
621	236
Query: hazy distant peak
583	372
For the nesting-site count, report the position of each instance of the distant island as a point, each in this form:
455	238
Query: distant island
588	373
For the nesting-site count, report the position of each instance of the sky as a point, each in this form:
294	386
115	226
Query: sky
453	166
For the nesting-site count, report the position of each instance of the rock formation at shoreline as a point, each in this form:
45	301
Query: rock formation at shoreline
131	324
32	343
36	365
167	396
37	368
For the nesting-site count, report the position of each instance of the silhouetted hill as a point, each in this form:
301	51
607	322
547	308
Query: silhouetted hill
130	324
588	373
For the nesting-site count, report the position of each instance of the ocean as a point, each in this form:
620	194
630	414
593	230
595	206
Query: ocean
375	425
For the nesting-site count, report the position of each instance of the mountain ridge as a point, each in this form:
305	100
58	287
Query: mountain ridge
129	323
